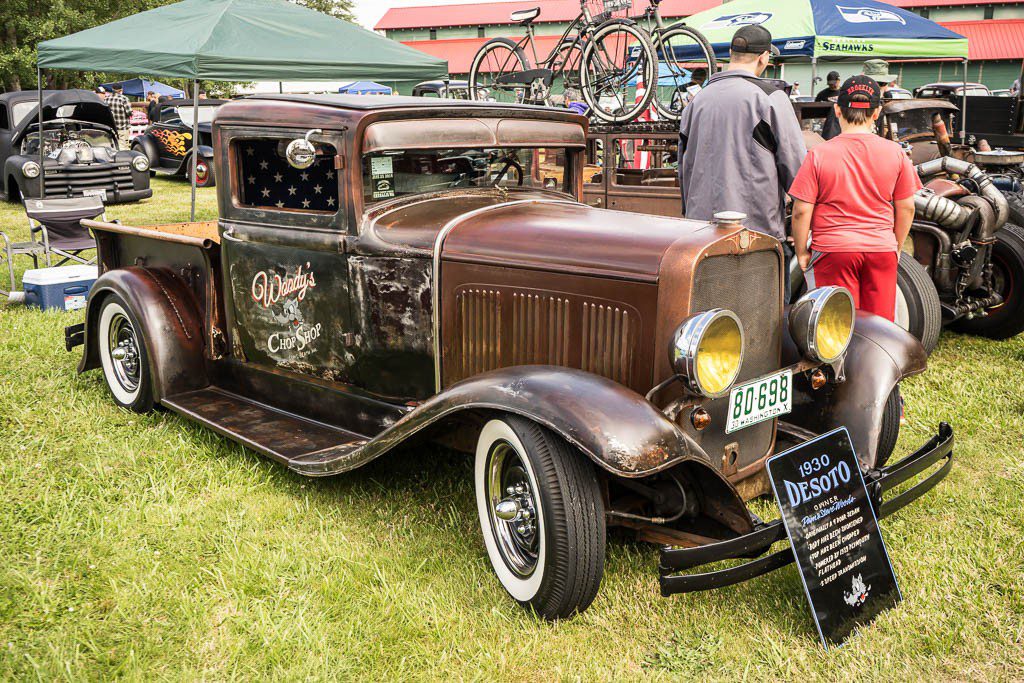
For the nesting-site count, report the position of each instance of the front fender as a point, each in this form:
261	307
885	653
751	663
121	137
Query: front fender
172	328
149	147
619	430
880	356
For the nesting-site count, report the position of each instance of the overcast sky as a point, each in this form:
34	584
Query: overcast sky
369	12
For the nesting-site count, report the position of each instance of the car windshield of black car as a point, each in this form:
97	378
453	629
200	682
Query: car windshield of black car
397	173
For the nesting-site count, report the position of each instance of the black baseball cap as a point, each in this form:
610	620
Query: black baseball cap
754	40
832	76
860	92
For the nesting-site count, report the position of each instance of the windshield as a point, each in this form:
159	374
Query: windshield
21	110
205	114
915	123
388	174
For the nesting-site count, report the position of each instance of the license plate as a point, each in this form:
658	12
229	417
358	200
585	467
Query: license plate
760	400
102	194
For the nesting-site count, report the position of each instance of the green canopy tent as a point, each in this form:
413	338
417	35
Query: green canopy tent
237	40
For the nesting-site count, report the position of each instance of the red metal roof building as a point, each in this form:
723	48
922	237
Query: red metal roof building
994	29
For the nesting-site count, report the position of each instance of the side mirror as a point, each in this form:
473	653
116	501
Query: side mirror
301	153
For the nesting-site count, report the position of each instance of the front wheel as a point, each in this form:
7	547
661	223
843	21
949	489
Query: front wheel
889	434
542	516
617	59
1007	319
123	356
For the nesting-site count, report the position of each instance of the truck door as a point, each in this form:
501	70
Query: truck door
283	251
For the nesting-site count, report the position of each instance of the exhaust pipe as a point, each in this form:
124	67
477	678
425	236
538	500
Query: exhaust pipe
985	186
945	212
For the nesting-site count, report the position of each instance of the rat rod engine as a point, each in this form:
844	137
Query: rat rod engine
973	255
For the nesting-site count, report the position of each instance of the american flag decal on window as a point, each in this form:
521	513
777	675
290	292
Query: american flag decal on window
268	181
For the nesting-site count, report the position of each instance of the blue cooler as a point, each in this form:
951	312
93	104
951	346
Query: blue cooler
65	288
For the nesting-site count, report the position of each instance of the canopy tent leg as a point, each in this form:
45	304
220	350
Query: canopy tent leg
814	74
963	109
195	142
42	156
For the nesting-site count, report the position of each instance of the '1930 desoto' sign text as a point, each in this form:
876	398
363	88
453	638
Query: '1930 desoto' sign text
834	533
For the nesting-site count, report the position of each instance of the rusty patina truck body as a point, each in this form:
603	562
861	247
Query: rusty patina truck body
392	269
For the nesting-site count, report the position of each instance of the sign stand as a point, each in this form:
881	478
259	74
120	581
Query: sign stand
834	532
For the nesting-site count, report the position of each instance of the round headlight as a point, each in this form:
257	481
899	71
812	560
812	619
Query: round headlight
30	169
821	323
140	163
707	351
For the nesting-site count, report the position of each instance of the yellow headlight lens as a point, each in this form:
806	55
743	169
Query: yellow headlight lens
835	327
719	355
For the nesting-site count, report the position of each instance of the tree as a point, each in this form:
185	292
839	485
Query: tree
25	23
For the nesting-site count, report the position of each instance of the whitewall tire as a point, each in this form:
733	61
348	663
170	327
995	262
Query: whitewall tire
541	515
123	356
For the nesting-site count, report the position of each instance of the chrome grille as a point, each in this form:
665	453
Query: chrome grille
70	180
748	285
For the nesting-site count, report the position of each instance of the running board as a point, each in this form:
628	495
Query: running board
303	445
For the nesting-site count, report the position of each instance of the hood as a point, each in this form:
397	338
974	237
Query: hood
566	236
536	229
85	106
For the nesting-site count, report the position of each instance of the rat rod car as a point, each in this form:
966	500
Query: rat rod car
167	142
79	148
386	270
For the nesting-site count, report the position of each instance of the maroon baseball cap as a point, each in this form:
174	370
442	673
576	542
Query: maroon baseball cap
860	92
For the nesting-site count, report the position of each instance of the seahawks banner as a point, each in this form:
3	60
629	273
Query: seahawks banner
832	29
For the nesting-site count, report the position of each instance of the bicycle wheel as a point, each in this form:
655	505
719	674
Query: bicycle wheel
682	53
564	63
616	59
494	66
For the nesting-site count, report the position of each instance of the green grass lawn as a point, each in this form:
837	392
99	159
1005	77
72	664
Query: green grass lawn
146	547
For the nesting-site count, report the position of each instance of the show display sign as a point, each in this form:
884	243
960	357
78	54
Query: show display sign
834	533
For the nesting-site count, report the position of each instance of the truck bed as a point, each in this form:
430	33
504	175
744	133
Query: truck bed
200	230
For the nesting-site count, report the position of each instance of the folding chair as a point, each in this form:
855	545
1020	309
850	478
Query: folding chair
55	229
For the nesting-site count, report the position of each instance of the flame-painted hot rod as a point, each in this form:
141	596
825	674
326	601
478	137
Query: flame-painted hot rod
386	270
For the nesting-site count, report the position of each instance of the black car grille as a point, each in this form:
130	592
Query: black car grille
69	181
748	285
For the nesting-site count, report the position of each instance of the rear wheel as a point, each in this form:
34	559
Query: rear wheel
123	356
495	64
542	516
918	310
205	176
1007	319
617	58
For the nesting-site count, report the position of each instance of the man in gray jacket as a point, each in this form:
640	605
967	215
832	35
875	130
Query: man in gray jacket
739	141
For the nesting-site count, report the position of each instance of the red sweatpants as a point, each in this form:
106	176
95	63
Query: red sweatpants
870	277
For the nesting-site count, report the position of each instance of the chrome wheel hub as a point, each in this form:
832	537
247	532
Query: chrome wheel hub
124	353
513	509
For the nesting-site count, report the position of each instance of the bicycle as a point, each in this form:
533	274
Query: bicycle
602	56
676	47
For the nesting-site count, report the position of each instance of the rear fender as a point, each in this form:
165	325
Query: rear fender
881	354
619	430
172	327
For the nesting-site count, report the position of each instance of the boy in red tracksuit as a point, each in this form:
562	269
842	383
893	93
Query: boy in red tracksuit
855	195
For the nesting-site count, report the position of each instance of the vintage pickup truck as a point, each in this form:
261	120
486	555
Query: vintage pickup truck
387	270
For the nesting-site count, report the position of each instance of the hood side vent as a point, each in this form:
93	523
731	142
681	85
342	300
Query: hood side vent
607	342
540	330
479	333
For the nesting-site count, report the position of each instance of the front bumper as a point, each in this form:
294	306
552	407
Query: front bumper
938	451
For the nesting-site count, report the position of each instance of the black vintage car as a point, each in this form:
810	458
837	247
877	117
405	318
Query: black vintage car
79	148
167	142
